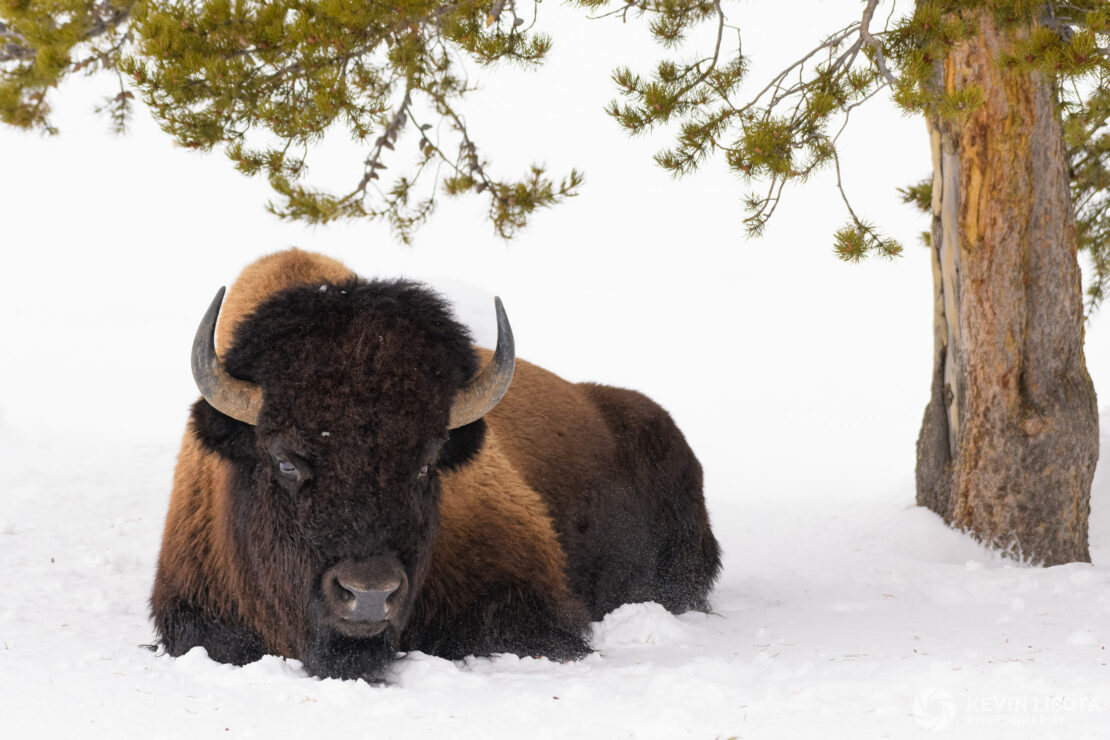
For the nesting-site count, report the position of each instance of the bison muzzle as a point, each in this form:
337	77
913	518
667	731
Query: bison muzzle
357	480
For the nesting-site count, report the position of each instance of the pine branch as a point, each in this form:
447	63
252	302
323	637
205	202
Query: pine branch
873	43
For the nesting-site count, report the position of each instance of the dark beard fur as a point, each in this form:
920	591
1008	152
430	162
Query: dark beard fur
332	655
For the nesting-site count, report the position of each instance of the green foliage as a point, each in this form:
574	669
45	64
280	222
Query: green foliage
919	42
219	72
267	81
784	134
856	239
789	129
919	195
43	40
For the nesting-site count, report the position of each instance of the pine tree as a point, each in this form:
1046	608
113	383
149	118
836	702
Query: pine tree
265	81
1015	95
1015	92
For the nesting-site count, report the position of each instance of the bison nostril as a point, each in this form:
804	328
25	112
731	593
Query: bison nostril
365	604
347	595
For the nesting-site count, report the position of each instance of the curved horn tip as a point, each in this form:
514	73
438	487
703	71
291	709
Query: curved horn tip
505	342
486	389
229	395
204	342
504	354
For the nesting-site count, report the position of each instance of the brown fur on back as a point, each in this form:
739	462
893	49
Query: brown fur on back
599	456
488	511
539	403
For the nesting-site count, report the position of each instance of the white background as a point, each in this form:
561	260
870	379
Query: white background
799	380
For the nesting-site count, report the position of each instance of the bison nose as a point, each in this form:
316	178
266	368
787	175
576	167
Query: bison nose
366	604
359	594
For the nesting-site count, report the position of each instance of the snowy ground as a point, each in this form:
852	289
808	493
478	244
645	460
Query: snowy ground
843	611
860	617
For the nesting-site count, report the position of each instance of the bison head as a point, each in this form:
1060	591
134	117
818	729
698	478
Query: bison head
338	405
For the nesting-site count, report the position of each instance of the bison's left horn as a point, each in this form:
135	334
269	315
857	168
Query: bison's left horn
481	394
237	398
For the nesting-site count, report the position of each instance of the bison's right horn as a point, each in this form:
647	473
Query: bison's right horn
236	398
481	394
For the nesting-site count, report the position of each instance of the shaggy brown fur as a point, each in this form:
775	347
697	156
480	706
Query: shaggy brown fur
198	562
268	275
488	512
564	502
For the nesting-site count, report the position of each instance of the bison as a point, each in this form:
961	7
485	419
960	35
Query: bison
358	481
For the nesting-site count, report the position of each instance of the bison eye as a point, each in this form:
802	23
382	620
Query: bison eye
293	471
425	471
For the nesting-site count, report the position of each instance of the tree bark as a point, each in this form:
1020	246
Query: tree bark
1009	441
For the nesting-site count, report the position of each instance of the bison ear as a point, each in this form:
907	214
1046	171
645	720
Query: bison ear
462	445
221	434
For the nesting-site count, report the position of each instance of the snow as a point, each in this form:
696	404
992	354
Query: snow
843	610
855	618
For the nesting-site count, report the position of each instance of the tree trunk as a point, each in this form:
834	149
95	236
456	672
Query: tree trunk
1009	441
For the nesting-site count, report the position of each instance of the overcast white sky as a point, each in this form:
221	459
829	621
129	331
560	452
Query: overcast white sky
774	357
